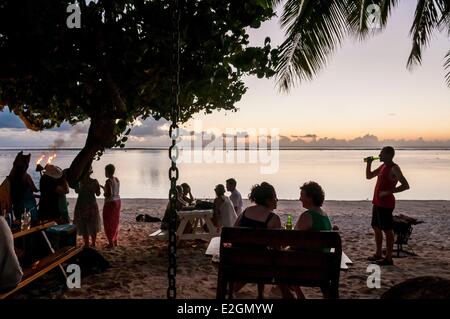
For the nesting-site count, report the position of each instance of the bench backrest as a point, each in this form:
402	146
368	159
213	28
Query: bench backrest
260	256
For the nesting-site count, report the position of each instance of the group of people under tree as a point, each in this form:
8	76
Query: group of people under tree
53	205
17	197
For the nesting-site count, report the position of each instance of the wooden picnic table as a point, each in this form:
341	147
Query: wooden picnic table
200	221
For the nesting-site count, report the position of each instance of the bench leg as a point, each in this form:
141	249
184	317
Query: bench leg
211	228
230	290
221	289
260	291
53	251
181	228
330	292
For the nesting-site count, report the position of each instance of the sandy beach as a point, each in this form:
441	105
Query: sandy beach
139	264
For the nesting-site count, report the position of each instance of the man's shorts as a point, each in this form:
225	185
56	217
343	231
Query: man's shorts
382	218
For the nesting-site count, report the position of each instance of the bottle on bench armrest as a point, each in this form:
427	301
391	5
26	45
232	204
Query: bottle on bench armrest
289	224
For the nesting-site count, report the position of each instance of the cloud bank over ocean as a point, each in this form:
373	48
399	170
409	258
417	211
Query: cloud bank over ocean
152	133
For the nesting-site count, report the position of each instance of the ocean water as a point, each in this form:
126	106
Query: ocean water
145	173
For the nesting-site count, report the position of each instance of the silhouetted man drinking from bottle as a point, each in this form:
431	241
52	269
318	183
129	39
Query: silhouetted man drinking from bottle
388	176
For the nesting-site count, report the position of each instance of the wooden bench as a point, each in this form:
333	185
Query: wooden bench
44	265
310	259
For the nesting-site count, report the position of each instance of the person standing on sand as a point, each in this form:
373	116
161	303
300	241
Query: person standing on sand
111	208
22	187
388	175
53	186
86	215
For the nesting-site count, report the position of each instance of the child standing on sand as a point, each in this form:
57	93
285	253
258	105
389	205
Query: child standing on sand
111	208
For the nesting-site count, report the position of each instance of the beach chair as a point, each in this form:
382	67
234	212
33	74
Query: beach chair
403	227
262	256
42	266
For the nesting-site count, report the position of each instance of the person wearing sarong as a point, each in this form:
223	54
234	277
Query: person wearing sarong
111	208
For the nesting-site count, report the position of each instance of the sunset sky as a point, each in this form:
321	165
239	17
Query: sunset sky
366	89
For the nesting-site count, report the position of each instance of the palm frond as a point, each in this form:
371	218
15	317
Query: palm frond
447	68
444	23
313	30
386	9
367	17
274	3
357	17
427	17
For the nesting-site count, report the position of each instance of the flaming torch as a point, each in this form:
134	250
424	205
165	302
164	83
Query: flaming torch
51	158
39	167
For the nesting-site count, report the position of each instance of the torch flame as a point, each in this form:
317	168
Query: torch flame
38	162
51	158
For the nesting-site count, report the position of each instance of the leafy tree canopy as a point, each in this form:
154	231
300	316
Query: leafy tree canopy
119	65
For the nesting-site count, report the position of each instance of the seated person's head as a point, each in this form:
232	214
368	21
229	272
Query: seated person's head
185	188
264	195
220	190
110	169
231	184
179	190
311	195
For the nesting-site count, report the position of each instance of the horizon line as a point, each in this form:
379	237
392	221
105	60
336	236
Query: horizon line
313	148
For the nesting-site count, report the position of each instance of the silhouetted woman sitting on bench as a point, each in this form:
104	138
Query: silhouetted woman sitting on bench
260	215
312	197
